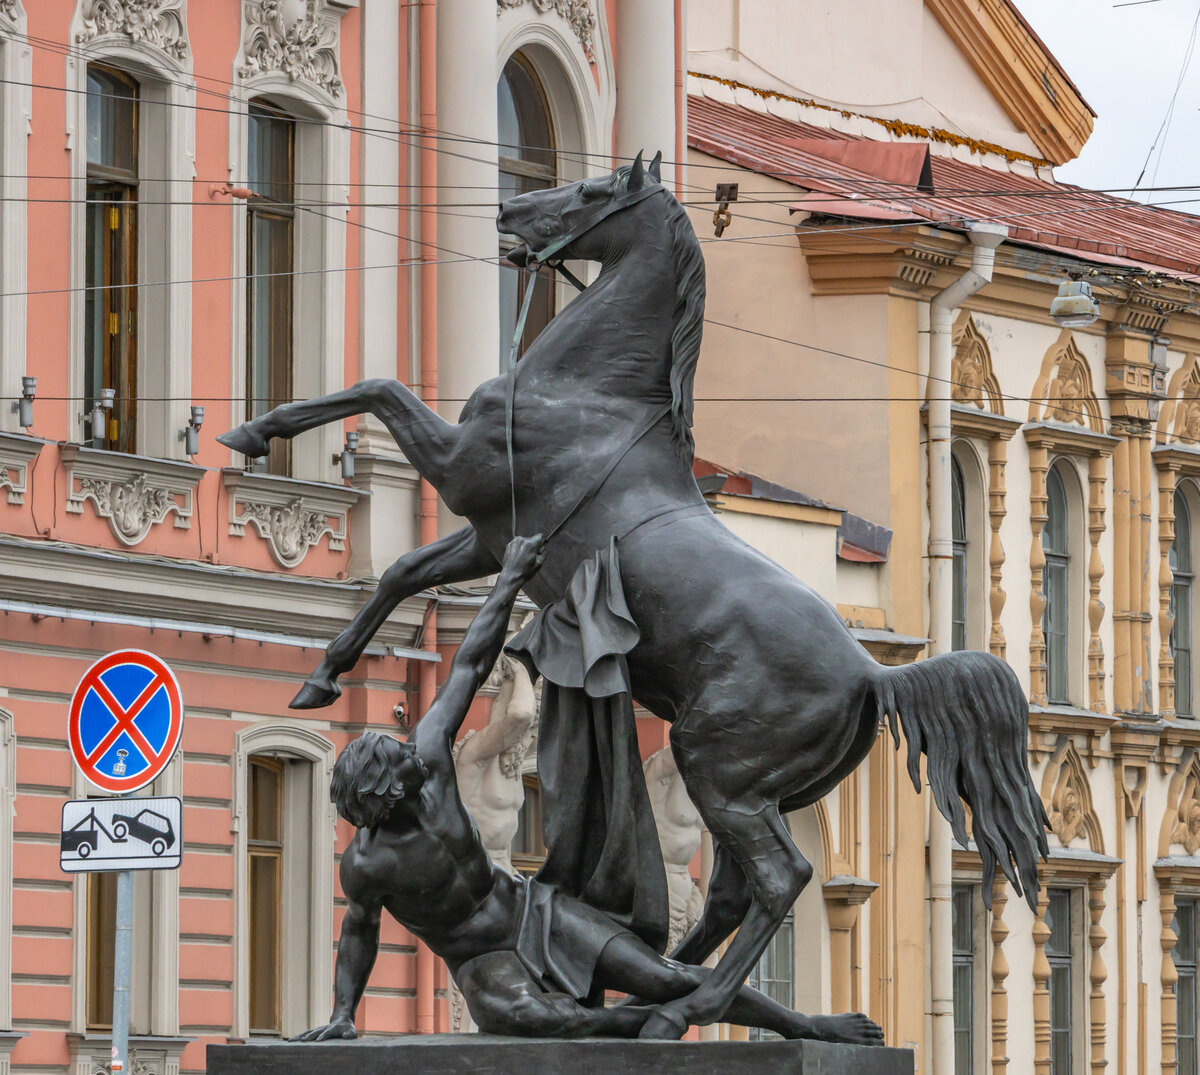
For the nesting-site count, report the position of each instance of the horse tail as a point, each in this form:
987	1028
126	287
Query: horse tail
966	712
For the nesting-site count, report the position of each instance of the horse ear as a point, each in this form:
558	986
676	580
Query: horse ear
637	174
655	167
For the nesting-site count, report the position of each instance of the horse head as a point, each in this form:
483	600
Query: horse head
576	220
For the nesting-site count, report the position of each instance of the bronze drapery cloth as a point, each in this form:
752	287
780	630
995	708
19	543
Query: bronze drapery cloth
601	840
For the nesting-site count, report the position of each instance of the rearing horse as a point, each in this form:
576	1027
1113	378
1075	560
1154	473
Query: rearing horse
771	701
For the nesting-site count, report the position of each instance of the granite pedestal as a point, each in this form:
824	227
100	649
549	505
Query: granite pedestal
446	1054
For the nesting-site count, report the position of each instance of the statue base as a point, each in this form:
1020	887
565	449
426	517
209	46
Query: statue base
473	1053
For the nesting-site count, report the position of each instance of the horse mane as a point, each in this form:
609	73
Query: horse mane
689	321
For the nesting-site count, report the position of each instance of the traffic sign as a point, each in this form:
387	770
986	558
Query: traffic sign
100	835
126	720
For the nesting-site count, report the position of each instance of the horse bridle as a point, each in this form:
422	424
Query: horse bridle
548	256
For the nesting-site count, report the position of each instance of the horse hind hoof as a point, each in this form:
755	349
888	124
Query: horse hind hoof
663	1026
244	440
315	695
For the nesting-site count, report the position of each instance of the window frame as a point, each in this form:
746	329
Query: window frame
976	958
1183	588
268	850
16	77
529	862
770	986
1064	584
1073	961
1187	972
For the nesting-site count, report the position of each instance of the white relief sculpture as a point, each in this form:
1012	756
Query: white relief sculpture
489	765
679	832
131	508
11	9
159	23
579	14
290	530
297	38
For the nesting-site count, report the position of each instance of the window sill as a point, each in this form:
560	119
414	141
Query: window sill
132	492
290	515
17	451
1048	722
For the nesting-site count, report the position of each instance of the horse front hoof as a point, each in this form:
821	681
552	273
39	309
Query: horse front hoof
245	440
316	694
663	1026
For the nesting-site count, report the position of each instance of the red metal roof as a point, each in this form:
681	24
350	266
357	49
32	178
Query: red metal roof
1055	216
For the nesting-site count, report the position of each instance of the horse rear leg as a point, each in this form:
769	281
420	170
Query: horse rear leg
725	906
455	558
756	836
422	434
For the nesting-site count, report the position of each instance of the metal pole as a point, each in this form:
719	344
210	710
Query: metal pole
121	972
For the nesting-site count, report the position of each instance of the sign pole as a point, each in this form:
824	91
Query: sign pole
121	972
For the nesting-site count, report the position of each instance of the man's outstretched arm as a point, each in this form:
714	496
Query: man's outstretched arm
477	654
357	948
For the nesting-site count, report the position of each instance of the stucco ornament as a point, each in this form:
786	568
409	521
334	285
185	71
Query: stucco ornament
290	531
973	382
579	14
131	508
1069	803
159	23
11	9
294	38
1186	832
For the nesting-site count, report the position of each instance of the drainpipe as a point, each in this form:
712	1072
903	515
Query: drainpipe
984	239
428	513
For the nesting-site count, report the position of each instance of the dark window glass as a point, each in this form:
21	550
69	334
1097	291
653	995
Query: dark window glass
1184	955
269	266
1181	605
958	511
1056	587
101	948
963	929
527	162
528	848
775	972
1058	953
264	824
110	242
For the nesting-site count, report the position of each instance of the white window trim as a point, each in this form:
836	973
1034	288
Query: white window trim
8	809
322	174
285	740
16	69
164	312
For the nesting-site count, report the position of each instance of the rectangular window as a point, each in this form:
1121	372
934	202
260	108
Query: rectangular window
1056	627
775	973
963	929
269	261
265	848
1062	998
111	273
1181	641
101	948
528	848
1184	955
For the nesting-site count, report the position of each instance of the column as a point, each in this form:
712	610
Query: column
645	61
1038	467
999	974
468	290
1167	477
1041	988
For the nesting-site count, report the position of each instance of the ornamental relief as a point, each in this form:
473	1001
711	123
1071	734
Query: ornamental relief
11	10
161	24
579	15
1067	796
1063	392
290	530
296	38
1181	822
1180	419
973	382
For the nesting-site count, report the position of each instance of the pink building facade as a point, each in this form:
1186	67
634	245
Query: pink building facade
224	204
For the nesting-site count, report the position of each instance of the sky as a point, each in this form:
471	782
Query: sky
1126	58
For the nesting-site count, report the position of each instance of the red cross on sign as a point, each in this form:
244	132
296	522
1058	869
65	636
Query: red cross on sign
126	720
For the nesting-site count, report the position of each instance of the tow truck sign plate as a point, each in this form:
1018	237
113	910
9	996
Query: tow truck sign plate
99	835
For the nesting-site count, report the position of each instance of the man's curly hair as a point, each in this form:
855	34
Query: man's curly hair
367	781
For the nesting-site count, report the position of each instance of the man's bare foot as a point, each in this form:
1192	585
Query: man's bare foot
850	1028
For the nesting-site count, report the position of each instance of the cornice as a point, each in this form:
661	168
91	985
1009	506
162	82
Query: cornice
1048	723
877	261
972	422
1020	72
1074	440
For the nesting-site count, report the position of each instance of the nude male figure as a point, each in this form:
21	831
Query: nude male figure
680	830
523	955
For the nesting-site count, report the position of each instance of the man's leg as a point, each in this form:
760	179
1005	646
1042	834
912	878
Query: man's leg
627	965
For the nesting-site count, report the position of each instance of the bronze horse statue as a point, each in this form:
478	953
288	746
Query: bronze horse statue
771	700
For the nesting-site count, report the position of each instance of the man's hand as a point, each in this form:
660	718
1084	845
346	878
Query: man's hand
524	555
338	1028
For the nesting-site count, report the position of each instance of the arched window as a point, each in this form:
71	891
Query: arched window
958	510
1181	605
1056	587
527	162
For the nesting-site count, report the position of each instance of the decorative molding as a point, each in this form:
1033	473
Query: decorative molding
997	455
999	975
11	10
1039	466
1041	986
1047	724
132	492
1097	474
1067	796
8	809
296	38
17	451
1179	419
973	381
1168	975
91	1054
161	24
844	895
1063	392
580	15
876	262
290	515
1168	478
1097	976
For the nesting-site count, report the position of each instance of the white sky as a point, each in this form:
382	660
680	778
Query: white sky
1126	62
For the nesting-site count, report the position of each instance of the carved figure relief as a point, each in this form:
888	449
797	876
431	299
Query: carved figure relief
579	14
679	833
1068	798
1180	418
1063	392
11	9
296	38
290	530
1183	808
973	381
160	23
